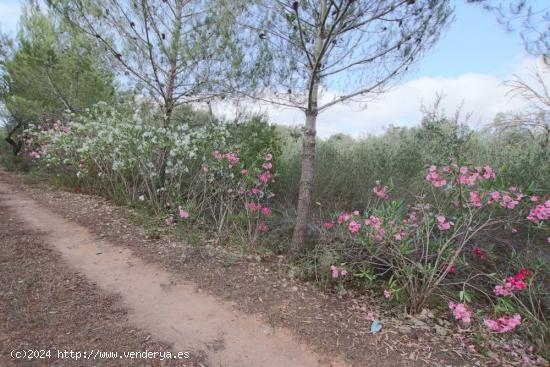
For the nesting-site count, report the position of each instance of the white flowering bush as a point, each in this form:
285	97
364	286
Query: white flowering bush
120	151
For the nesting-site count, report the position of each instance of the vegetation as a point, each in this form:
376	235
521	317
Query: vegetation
99	97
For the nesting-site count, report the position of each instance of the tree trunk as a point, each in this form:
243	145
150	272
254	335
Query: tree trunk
306	186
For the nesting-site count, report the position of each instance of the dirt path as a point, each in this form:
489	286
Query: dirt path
169	308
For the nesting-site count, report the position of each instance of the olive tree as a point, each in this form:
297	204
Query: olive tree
318	53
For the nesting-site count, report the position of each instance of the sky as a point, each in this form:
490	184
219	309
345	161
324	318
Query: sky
468	65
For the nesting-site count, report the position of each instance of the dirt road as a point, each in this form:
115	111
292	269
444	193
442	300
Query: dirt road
171	309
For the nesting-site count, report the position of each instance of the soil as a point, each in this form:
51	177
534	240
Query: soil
47	305
239	310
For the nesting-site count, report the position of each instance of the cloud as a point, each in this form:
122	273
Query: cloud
482	95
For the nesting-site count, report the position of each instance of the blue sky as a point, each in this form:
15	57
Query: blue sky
469	64
474	43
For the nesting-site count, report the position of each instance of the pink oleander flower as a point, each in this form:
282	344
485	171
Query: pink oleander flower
540	212
253	206
488	173
232	158
205	168
442	223
265	177
262	227
356	213
514	230
34	154
461	312
337	271
266	211
170	220
400	235
511	284
217	155
344	217
508	202
354	226
256	191
451	269
328	225
535	198
268	157
387	294
183	214
244	172
267	165
381	191
503	324
242	190
480	253
434	178
475	199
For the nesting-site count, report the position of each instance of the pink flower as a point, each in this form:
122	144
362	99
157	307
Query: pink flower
434	178
265	177
503	324
169	221
381	192
205	168
488	173
182	213
268	157
337	272
244	172
460	312
217	155
400	235
231	158
442	223
256	190
356	213
253	206
344	217
354	226
262	227
475	200
387	294
540	212
266	211
267	165
451	269
481	255
34	155
495	195
328	225
508	202
535	198
511	284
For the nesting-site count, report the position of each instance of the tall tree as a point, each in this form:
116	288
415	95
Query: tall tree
177	50
319	53
46	70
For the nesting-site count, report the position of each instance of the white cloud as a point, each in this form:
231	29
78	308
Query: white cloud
483	95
